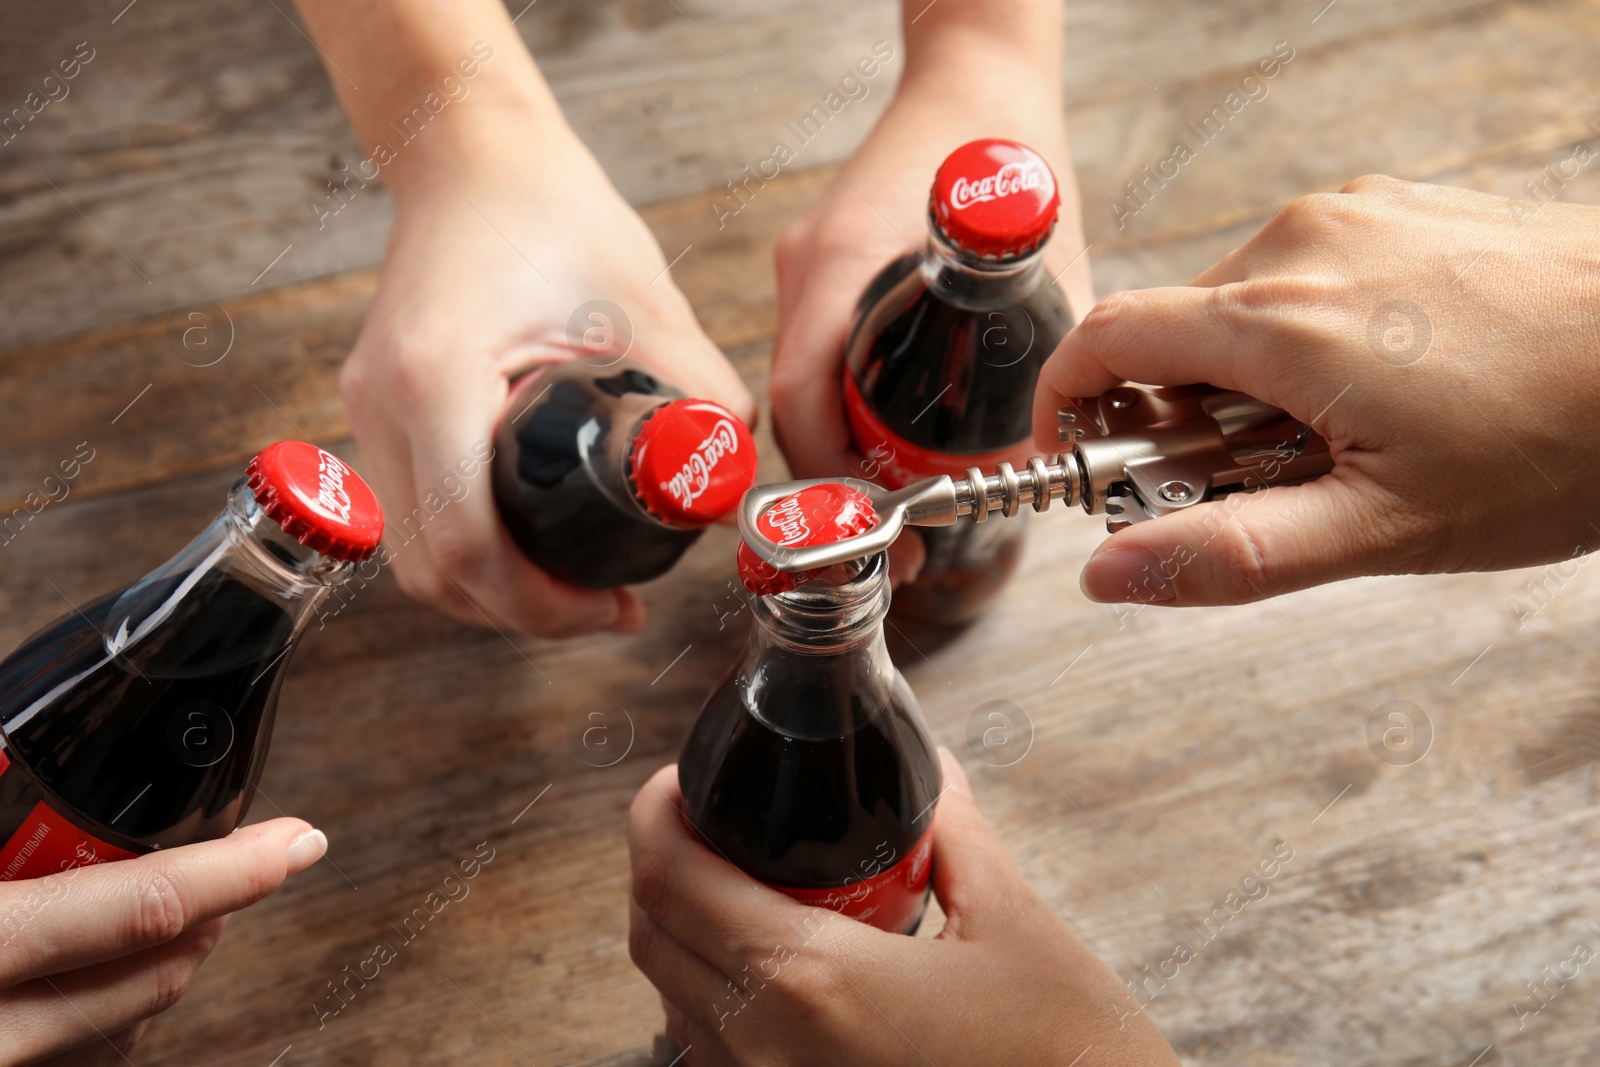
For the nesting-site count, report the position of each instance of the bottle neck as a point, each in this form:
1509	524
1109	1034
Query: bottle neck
817	665
975	283
821	618
621	398
242	544
619	482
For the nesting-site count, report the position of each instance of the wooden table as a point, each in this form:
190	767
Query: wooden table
1170	752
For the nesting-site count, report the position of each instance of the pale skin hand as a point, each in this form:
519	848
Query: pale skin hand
1004	982
1476	454
960	82
89	955
971	69
505	225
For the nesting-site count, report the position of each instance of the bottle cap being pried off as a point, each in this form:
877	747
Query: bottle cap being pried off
816	515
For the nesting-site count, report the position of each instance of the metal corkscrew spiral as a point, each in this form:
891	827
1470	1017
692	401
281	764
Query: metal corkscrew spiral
1008	489
1152	452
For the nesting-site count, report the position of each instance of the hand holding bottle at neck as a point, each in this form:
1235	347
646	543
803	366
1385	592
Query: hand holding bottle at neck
954	89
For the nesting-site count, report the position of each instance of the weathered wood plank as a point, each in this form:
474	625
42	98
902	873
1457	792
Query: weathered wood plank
1181	754
278	377
167	178
177	393
1430	101
1164	764
194	174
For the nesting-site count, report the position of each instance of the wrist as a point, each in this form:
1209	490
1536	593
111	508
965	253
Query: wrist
436	90
500	126
968	78
939	109
956	41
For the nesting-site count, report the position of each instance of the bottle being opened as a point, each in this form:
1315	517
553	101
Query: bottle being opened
605	475
141	721
942	362
810	766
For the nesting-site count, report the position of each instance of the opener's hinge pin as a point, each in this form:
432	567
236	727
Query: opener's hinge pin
1069	428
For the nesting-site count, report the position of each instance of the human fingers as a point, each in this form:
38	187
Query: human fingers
101	912
697	1047
472	558
1251	546
806	388
111	1052
700	899
73	1011
974	877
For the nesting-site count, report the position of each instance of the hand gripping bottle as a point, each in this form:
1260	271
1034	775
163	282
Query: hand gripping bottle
941	365
810	766
141	721
605	475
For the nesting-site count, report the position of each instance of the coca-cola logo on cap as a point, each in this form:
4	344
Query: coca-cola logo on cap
692	461
331	495
1010	178
695	475
816	515
995	199
787	520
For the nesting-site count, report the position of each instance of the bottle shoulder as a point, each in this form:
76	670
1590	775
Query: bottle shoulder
804	808
574	422
928	375
58	654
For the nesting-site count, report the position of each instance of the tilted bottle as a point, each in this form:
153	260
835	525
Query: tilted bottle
141	721
605	475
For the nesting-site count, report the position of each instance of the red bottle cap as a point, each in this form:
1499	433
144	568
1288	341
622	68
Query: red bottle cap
995	198
816	515
692	460
317	499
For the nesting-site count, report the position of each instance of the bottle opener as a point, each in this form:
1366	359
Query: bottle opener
1145	452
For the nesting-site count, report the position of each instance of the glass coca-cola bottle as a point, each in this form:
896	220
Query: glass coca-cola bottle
810	766
605	475
942	362
141	721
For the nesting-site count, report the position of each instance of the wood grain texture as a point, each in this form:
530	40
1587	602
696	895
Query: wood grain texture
1164	764
189	152
286	343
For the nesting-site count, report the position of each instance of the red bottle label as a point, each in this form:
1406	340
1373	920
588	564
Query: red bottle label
49	843
890	899
894	462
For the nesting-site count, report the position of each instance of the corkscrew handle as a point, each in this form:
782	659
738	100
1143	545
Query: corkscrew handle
1136	453
1147	452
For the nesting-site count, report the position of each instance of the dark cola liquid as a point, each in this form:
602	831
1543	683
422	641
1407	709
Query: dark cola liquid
158	748
953	381
817	811
559	480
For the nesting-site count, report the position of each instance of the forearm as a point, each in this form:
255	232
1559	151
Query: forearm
1012	38
422	82
991	68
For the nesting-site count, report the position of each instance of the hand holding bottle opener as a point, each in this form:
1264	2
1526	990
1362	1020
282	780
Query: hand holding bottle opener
1154	451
